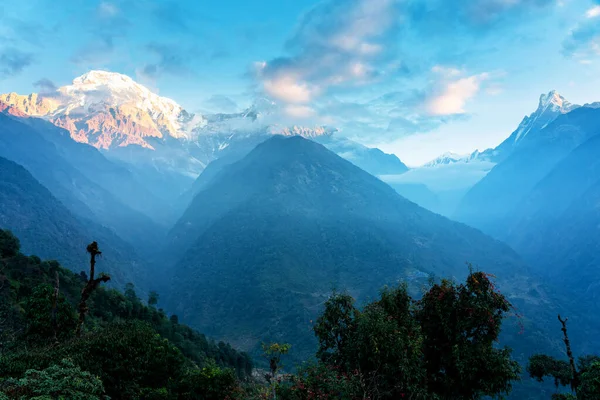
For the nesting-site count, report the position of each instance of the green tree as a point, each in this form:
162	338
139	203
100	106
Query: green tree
9	244
130	292
128	357
38	313
460	324
441	346
334	328
153	298
64	381
583	377
208	383
273	352
322	381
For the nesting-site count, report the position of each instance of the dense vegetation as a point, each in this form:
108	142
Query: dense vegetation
128	349
259	249
582	377
439	347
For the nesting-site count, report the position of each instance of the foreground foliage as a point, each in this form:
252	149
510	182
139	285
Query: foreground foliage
126	349
62	381
440	347
582	377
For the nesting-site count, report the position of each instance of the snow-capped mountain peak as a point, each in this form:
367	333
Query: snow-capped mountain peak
554	101
108	109
551	105
96	90
446	158
98	77
116	89
453	158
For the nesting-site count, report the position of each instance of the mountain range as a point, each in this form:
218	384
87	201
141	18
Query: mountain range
494	201
131	124
542	199
245	225
450	176
550	106
47	228
267	237
87	184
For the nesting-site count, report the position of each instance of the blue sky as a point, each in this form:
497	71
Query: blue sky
413	77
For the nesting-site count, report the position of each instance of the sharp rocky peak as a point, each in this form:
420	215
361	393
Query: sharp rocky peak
556	101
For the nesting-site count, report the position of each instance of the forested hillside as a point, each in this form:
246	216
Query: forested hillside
86	188
442	346
259	249
131	348
48	229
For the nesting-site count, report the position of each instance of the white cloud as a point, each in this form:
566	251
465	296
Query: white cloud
289	89
338	43
299	111
593	12
455	95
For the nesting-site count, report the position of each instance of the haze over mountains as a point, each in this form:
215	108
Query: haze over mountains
112	112
264	242
245	225
451	175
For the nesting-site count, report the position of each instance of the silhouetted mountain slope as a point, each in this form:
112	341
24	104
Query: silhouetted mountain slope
111	176
372	160
57	168
543	210
567	249
47	229
232	154
417	193
557	226
262	245
490	204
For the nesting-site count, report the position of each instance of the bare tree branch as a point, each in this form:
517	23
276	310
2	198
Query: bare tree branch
575	373
91	285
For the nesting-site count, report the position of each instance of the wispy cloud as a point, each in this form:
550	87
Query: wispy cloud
13	61
107	9
583	41
337	44
170	59
353	44
454	95
45	85
106	27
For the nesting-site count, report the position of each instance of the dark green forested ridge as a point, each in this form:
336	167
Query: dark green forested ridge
441	347
259	249
48	229
135	349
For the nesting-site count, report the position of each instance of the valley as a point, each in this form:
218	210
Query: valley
244	228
